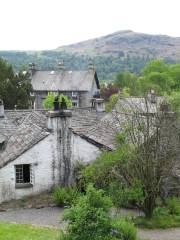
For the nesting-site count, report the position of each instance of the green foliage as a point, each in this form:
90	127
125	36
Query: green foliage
168	221
14	88
124	196
156	75
160	211
174	100
128	81
124	228
88	218
65	196
106	66
154	66
49	100
173	205
101	172
112	102
163	217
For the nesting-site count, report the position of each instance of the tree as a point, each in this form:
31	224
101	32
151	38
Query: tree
154	66
14	88
127	80
146	155
108	91
151	147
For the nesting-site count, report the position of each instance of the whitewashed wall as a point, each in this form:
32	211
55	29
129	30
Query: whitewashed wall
43	158
45	161
84	151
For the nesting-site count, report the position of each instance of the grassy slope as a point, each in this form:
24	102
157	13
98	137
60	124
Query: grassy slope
27	232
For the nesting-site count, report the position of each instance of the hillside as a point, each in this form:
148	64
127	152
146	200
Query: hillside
123	50
128	42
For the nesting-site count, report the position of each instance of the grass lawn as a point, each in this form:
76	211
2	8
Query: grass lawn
10	231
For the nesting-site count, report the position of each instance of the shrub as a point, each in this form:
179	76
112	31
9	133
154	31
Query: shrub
65	196
158	222
173	205
124	229
112	102
48	102
88	218
159	212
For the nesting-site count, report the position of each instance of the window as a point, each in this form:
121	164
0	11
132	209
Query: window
23	174
74	104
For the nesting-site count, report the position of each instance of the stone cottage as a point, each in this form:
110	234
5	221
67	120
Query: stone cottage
38	149
79	86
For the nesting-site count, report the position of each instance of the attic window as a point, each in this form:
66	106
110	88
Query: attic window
23	173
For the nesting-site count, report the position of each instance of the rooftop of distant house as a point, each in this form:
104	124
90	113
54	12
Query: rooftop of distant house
63	79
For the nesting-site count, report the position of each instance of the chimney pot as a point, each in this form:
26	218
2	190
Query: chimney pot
61	65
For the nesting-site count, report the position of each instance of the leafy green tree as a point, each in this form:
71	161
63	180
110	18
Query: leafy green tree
154	66
174	72
14	88
128	80
174	100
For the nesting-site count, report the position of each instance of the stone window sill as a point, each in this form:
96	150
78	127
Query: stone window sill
23	185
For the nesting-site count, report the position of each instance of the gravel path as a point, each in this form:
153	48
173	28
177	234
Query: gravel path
167	234
50	216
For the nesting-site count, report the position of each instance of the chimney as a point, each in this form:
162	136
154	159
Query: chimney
32	68
59	122
98	104
91	65
61	66
1	109
152	96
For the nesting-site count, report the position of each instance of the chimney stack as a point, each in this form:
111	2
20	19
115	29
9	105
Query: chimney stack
1	109
152	96
61	66
32	68
91	65
59	122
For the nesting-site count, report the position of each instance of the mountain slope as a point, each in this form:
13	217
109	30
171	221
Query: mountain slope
128	42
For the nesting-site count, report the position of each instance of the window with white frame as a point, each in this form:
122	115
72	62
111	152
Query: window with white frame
23	173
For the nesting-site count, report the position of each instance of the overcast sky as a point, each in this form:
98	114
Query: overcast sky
47	24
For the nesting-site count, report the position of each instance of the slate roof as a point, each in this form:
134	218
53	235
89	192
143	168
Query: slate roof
22	135
23	129
131	104
64	80
102	133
